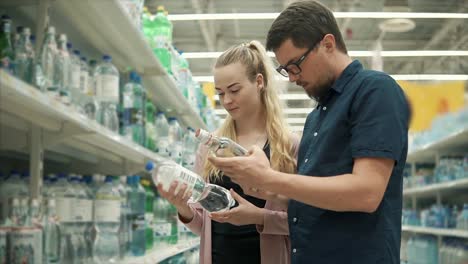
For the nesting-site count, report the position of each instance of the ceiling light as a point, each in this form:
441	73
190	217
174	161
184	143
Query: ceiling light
256	16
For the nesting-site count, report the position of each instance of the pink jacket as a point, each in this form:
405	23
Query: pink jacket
274	234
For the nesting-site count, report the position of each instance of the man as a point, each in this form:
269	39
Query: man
346	200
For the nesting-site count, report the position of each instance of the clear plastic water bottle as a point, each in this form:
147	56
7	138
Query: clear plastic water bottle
137	204
83	213
51	238
176	146
220	146
212	197
133	102
13	187
149	216
107	221
162	129
190	149
125	224
47	60
107	93
62	71
24	57
462	220
161	228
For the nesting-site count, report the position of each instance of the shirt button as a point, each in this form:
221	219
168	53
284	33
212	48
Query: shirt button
324	108
295	219
294	250
315	134
306	160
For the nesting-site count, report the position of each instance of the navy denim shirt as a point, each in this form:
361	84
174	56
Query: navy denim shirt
365	114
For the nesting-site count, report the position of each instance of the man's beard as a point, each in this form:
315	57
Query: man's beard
320	91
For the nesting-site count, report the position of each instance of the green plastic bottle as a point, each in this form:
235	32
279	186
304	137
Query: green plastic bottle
162	38
6	48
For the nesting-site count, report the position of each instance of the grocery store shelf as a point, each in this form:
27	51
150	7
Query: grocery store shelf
433	189
436	231
456	141
158	255
115	34
64	130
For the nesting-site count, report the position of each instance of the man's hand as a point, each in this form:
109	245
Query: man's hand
252	170
244	214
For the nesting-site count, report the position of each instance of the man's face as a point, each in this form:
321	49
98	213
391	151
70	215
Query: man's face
315	76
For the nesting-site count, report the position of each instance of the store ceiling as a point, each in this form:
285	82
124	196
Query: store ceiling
360	34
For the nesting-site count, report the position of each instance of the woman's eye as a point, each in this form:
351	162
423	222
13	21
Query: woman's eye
234	91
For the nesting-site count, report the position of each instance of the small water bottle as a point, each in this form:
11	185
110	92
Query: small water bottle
211	197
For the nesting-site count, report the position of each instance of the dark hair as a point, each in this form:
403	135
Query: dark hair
305	23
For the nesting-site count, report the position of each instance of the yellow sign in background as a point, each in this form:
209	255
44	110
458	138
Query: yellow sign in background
429	100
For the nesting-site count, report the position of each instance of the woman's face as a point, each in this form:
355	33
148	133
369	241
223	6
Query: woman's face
237	94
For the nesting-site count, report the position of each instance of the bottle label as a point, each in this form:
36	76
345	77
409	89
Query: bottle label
163	146
64	209
107	87
107	210
139	223
162	229
83	210
84	83
194	183
26	246
75	76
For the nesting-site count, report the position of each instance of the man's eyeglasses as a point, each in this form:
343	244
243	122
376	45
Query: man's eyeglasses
293	67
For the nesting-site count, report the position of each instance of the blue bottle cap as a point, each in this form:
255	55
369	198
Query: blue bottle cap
149	166
108	178
106	57
76	52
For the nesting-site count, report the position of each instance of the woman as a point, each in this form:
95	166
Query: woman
256	231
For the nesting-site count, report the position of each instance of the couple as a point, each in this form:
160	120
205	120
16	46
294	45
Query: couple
334	196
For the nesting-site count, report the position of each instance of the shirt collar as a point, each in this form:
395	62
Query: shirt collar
347	74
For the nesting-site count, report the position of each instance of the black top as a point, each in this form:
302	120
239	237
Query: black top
365	114
236	244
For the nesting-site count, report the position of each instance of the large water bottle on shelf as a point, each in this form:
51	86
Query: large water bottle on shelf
107	221
462	220
133	103
137	204
125	223
7	54
162	38
162	130
65	200
62	70
83	214
47	61
220	146
13	187
107	93
176	146
149	216
190	149
24	57
51	237
161	227
212	197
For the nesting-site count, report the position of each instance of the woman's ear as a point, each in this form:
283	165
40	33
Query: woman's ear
260	82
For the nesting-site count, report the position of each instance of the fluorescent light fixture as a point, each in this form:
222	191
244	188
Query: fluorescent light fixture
256	16
402	77
355	53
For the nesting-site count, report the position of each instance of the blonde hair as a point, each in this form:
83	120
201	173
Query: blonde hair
254	58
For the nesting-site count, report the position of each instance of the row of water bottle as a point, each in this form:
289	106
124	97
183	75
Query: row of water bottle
449	168
438	216
424	249
441	127
97	220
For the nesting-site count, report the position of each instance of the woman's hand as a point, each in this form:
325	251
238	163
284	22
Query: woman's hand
244	214
179	198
